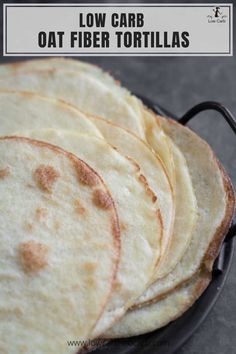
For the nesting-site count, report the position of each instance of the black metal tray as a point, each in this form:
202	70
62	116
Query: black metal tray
170	338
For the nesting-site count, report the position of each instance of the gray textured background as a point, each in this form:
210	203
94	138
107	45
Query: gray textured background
178	84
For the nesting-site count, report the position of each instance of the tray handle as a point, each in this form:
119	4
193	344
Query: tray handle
210	105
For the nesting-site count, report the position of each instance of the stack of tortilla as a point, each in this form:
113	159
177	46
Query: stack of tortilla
111	217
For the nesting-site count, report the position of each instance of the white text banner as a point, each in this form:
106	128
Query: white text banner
118	29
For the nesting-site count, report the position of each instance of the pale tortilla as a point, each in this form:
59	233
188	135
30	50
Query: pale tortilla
57	272
141	228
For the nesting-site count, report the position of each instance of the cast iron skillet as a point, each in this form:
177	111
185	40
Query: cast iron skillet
170	338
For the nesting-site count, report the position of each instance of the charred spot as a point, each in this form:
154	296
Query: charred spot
33	256
102	199
86	175
90	267
143	179
46	176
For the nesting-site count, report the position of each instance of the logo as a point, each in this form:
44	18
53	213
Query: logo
217	16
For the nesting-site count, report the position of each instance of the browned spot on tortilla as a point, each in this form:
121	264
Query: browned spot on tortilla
29	227
33	256
102	199
4	172
123	226
143	179
91	281
79	209
90	266
160	218
46	176
116	235
85	174
41	213
134	163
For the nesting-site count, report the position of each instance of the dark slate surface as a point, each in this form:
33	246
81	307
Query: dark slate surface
178	84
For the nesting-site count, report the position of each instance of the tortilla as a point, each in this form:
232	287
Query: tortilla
25	110
157	139
113	102
185	215
81	90
129	145
215	199
157	315
57	272
60	63
141	229
153	169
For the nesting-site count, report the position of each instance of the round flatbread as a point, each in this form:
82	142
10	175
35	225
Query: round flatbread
157	315
215	200
185	214
19	110
59	236
157	139
141	229
81	90
129	145
62	63
152	167
96	92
